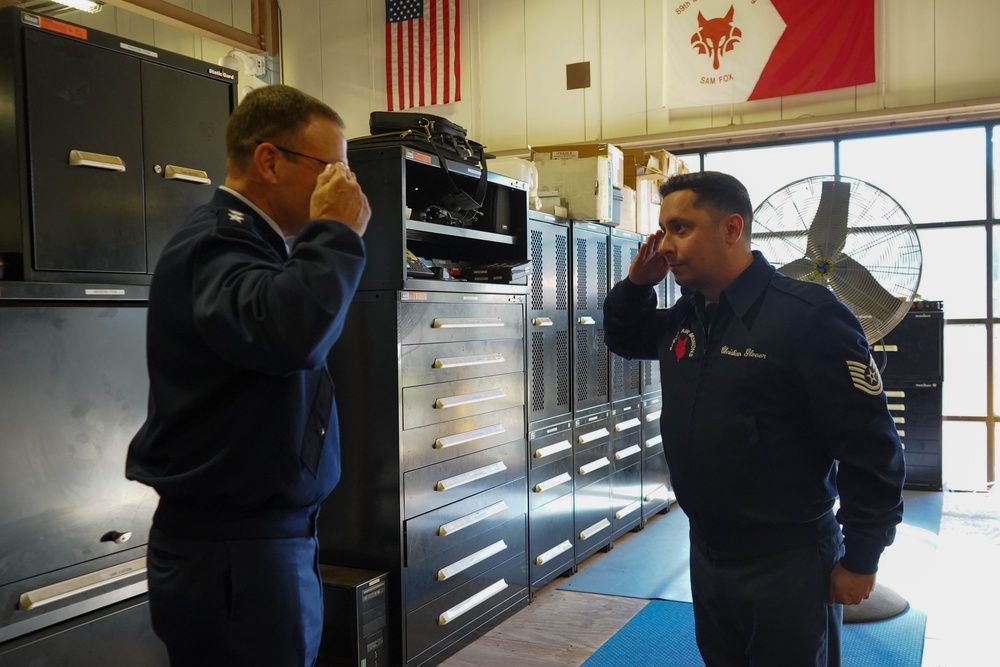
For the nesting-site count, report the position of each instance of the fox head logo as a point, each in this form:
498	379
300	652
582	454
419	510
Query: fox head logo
716	37
683	344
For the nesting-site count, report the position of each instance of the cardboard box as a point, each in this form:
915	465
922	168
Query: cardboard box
578	151
628	209
647	203
585	184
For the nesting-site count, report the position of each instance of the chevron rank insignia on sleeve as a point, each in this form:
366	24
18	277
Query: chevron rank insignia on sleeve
865	377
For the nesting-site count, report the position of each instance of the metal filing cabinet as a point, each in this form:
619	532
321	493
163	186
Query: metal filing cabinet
591	388
657	494
431	378
592	495
551	482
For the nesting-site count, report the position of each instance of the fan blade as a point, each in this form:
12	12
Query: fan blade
828	231
873	305
801	269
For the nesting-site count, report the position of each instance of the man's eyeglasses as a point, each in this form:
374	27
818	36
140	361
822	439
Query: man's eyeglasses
322	163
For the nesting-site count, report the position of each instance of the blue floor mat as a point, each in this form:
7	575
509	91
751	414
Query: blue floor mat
662	635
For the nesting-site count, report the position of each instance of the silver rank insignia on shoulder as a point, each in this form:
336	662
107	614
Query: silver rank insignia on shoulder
865	377
236	216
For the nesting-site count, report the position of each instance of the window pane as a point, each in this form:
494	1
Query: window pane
964	370
963	456
765	170
935	176
692	160
954	270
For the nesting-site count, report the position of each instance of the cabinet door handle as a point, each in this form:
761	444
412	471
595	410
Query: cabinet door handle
627	425
654	441
77	585
466	322
628	509
585	321
449	571
466	399
593	435
542	322
458	524
85	159
477	360
549	450
900	433
895	394
627	452
173	172
476	600
553	482
659	493
546	556
652	416
471	476
588	533
588	468
899	420
885	348
899	407
469	436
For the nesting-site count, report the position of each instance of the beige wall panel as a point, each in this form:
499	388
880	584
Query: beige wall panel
133	26
657	113
593	48
302	45
502	98
908	46
822	103
351	60
966	65
174	39
623	47
553	39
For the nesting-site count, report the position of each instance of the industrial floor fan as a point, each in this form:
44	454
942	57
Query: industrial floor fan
856	240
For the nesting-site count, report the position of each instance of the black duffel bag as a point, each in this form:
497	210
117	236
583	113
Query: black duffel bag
441	137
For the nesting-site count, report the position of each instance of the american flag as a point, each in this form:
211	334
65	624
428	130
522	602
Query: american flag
421	53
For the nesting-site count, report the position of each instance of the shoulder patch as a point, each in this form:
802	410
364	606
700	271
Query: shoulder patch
865	377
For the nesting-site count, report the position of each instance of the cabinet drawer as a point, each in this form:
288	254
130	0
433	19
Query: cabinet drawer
439	442
447	526
444	362
467	606
445	322
626	497
435	403
549	482
442	483
551	539
550	447
446	571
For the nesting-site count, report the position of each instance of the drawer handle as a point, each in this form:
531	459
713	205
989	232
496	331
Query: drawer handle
586	321
895	394
466	399
542	322
470	476
628	509
469	436
900	432
659	493
173	172
476	600
553	482
885	348
546	556
593	435
602	462
896	406
654	441
477	360
466	322
85	159
449	571
653	416
899	420
77	585
627	425
458	524
549	450
627	452
593	530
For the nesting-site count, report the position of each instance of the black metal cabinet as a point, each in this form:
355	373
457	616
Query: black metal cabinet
106	147
591	387
626	375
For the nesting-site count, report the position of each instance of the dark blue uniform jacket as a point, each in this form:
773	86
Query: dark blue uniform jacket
768	415
241	436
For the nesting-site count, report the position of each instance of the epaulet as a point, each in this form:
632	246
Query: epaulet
230	216
804	290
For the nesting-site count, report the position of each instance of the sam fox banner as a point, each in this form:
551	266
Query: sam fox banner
729	51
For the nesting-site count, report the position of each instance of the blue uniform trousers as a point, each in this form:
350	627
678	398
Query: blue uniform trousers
767	611
236	602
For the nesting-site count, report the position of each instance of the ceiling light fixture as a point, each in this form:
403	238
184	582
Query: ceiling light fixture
82	5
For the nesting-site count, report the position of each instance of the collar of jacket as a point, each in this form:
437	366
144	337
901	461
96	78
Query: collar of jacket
265	231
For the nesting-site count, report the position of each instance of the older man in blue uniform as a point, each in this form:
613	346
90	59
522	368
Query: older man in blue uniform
772	407
241	437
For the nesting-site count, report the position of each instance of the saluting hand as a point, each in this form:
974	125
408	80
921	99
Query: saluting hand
338	196
649	266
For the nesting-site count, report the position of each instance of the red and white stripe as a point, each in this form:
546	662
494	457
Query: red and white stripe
422	58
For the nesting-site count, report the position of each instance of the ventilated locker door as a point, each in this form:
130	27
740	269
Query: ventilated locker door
85	145
184	147
591	386
549	381
626	376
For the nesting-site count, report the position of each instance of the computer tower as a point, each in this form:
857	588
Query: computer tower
354	623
